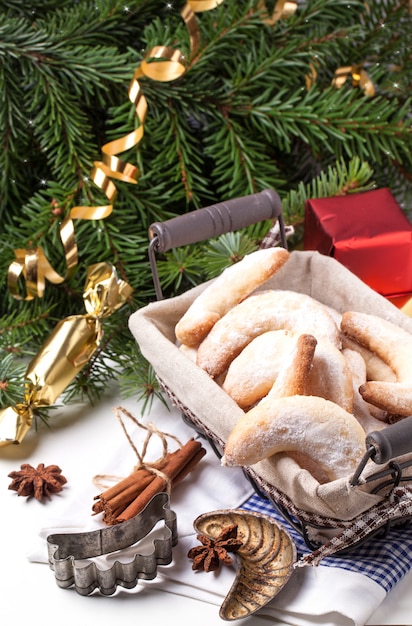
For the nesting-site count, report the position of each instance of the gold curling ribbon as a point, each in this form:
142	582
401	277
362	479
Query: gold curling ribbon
68	349
160	63
282	10
311	77
360	78
33	266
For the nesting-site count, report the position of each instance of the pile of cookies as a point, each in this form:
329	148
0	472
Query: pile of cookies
312	381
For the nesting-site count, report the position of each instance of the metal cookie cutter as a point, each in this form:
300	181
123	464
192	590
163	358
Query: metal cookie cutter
65	549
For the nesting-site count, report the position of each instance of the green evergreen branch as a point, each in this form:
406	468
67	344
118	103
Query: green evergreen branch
139	380
240	120
226	250
11	380
341	179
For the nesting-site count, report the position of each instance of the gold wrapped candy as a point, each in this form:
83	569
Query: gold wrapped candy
69	347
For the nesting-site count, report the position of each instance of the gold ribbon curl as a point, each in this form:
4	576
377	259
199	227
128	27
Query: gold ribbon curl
67	350
160	63
359	75
33	266
282	9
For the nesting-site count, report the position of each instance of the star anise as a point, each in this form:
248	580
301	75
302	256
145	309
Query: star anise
40	482
213	552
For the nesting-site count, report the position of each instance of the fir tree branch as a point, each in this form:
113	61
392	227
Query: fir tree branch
241	119
11	381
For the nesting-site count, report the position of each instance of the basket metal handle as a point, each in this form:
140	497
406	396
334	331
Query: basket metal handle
382	446
391	442
211	222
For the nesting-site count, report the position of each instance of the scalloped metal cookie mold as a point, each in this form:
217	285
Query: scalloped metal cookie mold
65	549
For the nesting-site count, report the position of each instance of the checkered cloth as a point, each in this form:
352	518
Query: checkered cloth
384	559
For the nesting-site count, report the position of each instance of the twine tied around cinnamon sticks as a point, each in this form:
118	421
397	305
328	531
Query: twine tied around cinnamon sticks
130	495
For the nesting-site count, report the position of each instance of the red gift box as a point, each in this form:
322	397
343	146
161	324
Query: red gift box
368	233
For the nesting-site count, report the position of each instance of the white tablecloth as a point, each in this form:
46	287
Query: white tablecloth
322	595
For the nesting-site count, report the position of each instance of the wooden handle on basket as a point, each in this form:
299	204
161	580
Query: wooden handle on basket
216	220
391	442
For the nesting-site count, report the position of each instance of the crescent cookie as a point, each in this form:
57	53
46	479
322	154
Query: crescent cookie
252	373
369	416
316	427
293	375
330	376
267	310
376	368
189	351
394	346
232	286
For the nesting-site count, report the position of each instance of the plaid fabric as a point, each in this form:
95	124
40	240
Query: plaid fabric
383	559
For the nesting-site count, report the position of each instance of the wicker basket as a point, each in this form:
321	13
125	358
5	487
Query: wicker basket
348	510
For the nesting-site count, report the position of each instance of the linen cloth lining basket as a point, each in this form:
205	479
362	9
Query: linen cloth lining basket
334	516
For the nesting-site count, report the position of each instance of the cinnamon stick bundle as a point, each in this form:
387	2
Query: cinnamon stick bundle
131	494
